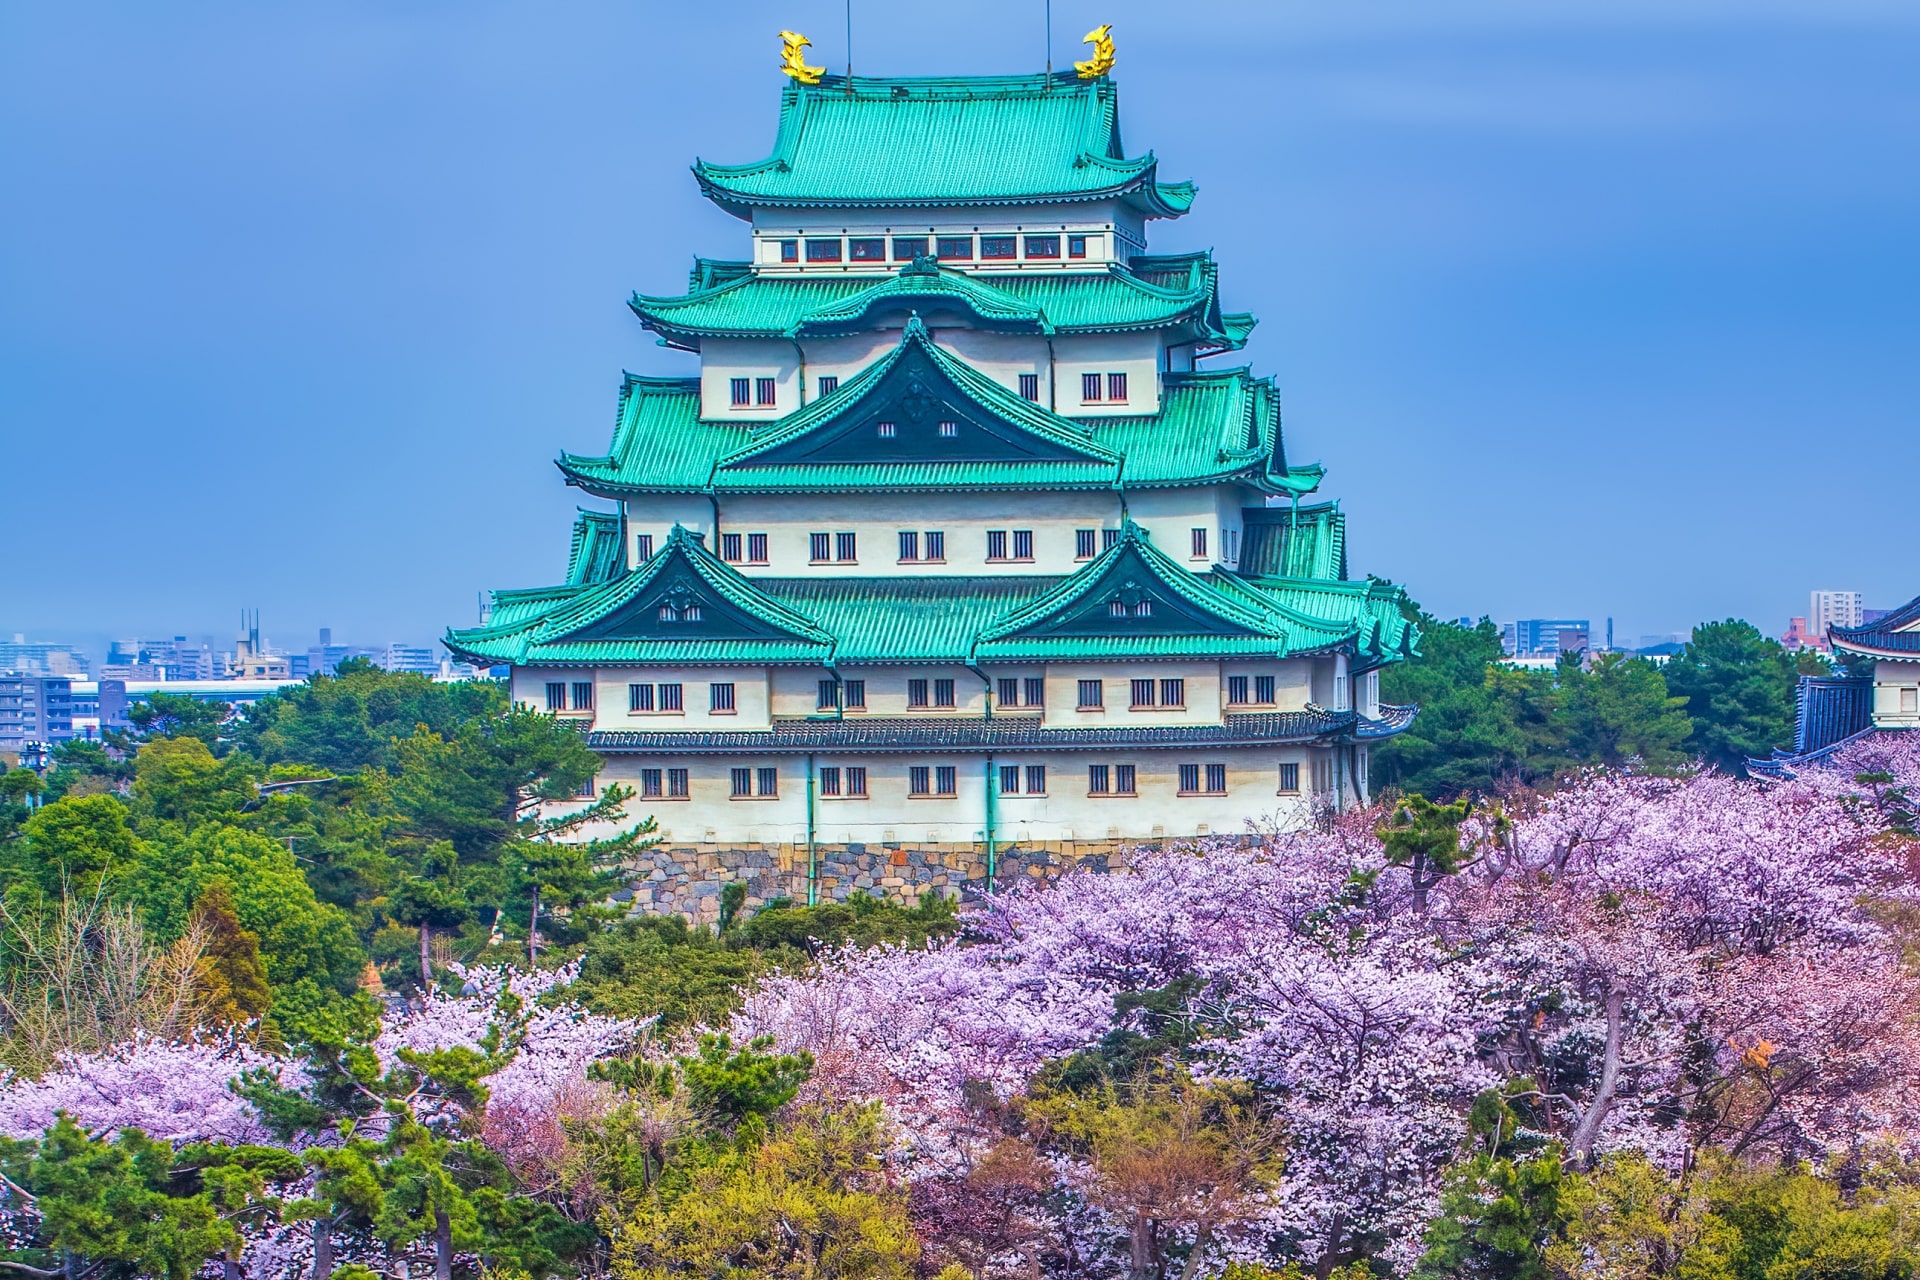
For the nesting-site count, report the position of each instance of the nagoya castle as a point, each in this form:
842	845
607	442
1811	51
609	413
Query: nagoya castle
962	552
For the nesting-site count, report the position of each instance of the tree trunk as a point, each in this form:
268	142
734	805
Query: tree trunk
1589	1130
426	960
1140	1251
533	930
229	1266
1201	1239
322	1249
442	1246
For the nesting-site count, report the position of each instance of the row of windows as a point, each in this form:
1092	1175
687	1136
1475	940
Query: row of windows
942	780
931	693
916	546
761	393
950	248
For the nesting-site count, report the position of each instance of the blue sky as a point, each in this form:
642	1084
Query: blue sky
1591	307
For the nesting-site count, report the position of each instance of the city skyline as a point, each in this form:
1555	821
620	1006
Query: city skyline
1514	272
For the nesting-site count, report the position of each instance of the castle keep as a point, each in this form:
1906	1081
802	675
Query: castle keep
958	547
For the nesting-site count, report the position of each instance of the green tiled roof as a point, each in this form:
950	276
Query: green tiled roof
599	551
914	143
1294	542
1212	426
826	621
1165	292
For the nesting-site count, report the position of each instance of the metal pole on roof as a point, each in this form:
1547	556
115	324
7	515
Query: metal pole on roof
1049	46
849	48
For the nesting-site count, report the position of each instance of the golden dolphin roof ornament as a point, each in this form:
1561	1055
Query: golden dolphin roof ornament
793	61
1102	60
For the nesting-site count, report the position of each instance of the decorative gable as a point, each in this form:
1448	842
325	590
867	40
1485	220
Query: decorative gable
919	405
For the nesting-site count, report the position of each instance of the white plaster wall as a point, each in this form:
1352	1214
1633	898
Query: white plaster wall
889	813
1135	354
750	698
724	359
1063	694
789	520
1889	678
1292	680
656	514
1170	515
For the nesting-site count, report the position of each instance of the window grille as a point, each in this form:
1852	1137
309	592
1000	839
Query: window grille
720	696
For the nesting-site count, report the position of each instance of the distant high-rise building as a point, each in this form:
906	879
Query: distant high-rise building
1545	637
43	659
408	657
1834	609
34	709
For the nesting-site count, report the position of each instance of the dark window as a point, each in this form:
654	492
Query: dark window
789	251
730	547
1036	779
670	697
1116	608
763	391
996	544
586	790
909	545
1123	779
943	693
998	246
1090	694
949	430
720	696
1090	387
1043	246
884	430
867	250
742	391
919	780
1117	387
823	251
1023	544
829	695
960	247
639	697
916	693
1108	537
1035	692
650	784
854	694
676	783
756	548
1099	780
829	383
820	547
1084	542
936	545
1236	691
742	783
830	781
769	781
583	695
1009	691
1173	693
1030	386
944	780
1189	777
1076	246
1217	779
857	780
643	548
1290	778
556	695
1199	544
1263	690
1143	693
1009	779
907	248
845	547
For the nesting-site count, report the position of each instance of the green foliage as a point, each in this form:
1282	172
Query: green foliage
863	920
1616	711
1424	837
176	715
1739	687
231	981
659	967
349	721
734	1085
83	766
73	847
179	781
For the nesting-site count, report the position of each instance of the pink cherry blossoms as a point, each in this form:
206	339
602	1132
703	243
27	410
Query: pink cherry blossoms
175	1092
